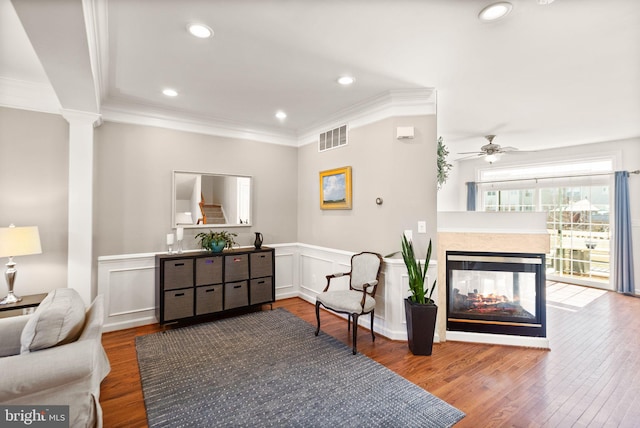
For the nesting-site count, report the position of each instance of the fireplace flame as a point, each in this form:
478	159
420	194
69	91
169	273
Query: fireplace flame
487	303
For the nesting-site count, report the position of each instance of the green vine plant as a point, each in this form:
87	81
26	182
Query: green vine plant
443	166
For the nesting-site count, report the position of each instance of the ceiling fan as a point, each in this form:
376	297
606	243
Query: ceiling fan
491	151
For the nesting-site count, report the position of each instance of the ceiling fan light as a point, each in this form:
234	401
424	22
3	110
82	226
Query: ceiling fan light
495	11
491	158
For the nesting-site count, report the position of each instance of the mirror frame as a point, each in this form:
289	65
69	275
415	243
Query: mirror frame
175	225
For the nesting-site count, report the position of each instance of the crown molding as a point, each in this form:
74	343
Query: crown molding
402	102
410	102
406	102
172	120
28	96
96	24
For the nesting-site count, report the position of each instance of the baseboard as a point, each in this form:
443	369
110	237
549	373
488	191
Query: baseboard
123	325
498	339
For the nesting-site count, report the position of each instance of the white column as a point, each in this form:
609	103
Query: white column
80	251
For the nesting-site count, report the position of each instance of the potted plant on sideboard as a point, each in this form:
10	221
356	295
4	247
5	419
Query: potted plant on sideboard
420	309
216	241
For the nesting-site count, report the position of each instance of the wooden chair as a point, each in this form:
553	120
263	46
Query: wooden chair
359	298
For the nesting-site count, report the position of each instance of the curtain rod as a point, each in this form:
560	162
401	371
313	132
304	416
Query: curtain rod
637	171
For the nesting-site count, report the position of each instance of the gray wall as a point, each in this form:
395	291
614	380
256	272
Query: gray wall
401	172
133	185
132	196
34	181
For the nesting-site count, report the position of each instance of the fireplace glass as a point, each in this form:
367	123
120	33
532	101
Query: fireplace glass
495	293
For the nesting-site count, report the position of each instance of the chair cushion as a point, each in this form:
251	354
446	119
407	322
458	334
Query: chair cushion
346	301
364	268
59	319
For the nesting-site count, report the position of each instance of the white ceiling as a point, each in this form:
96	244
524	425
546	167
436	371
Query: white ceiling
545	76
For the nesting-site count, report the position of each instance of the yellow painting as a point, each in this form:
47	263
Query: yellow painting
335	189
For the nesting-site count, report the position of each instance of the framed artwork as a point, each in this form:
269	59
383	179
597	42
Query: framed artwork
335	189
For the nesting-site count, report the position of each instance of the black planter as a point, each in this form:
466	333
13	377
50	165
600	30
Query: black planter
421	326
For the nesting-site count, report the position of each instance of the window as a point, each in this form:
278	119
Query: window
510	200
577	199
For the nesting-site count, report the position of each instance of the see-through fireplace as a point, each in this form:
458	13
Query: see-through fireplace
499	293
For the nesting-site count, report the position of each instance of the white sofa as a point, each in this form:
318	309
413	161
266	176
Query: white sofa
55	357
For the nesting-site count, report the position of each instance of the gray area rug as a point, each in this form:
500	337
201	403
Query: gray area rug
268	369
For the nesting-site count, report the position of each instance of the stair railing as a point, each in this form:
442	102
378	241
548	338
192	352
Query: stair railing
203	216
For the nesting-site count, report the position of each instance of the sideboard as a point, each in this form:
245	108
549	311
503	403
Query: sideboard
194	285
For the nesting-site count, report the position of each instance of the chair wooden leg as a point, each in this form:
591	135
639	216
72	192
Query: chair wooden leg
318	317
373	336
355	333
348	322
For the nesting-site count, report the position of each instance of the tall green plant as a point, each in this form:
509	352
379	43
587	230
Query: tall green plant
417	273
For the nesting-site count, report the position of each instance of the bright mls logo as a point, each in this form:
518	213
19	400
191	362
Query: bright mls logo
34	416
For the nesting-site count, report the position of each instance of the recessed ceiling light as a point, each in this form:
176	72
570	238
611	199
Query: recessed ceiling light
495	11
170	92
200	30
281	115
346	80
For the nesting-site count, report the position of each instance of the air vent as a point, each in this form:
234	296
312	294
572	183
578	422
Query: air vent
334	138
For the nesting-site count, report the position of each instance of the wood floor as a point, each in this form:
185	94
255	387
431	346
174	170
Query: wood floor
589	378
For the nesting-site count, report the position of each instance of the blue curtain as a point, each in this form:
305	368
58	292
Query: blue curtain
622	236
472	190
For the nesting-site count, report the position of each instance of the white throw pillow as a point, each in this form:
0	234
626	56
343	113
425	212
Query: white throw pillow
59	319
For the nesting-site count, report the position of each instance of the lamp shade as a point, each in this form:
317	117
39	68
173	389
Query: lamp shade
19	241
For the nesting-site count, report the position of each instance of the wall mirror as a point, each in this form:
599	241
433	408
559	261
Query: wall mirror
210	200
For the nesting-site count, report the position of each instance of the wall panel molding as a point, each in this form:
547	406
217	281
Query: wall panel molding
128	283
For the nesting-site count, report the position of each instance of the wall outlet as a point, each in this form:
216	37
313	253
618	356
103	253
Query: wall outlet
422	227
409	234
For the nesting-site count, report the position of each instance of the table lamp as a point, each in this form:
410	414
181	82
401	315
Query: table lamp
17	241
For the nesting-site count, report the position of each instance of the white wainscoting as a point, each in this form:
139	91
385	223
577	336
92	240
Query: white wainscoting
128	284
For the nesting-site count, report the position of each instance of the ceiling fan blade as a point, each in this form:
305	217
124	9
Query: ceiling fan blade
518	152
476	155
490	149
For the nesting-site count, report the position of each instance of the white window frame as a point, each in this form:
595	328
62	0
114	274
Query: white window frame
544	173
